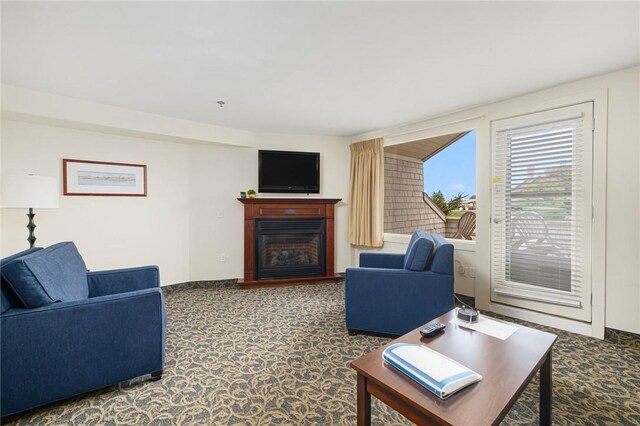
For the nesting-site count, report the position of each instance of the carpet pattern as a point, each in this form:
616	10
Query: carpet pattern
281	356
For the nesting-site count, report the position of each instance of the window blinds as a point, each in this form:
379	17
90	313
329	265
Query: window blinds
538	210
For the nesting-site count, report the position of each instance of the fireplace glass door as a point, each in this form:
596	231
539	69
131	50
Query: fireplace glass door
290	248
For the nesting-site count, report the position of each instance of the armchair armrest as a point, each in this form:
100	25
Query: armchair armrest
116	281
63	349
382	260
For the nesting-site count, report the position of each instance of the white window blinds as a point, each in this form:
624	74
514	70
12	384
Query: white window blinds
541	205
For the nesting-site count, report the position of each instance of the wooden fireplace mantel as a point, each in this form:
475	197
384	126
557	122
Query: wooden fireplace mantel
286	208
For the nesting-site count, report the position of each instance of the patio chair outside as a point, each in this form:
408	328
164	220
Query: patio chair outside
466	226
535	257
529	230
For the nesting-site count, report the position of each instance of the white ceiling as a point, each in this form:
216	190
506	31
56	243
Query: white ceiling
325	68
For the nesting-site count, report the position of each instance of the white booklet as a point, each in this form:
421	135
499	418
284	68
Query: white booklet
500	329
436	372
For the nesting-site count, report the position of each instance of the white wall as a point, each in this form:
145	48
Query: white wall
110	232
619	212
623	200
218	174
464	268
191	215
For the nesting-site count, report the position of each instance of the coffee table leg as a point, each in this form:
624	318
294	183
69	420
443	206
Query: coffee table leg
545	391
364	402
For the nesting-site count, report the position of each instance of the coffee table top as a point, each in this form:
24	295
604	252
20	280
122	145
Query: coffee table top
506	366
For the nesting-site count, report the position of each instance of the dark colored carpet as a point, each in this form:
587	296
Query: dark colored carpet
281	356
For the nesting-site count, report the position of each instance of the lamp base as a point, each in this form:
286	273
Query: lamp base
31	226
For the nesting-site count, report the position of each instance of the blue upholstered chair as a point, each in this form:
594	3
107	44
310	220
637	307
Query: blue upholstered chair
66	331
394	293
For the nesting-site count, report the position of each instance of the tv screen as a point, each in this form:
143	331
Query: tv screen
289	171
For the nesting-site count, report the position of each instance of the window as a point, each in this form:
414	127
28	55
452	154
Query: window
452	171
446	163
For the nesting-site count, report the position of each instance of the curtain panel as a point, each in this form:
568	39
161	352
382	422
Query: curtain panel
366	192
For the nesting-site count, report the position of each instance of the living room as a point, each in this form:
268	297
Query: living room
107	82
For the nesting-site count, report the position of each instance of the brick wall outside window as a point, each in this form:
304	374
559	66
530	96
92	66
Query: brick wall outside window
404	208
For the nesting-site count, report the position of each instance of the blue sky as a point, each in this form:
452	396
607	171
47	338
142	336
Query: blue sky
453	169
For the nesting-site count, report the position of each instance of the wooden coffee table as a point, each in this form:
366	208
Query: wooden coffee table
507	366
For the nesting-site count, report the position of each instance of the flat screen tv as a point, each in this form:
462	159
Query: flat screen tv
289	171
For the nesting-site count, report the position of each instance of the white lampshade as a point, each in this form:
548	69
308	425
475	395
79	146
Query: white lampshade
29	191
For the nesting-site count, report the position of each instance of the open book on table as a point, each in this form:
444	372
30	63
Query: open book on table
436	372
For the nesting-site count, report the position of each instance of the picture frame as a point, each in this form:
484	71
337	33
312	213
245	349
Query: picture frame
101	178
243	194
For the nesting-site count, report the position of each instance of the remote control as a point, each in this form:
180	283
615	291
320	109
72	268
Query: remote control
432	330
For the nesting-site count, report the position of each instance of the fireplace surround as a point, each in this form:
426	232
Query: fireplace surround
288	240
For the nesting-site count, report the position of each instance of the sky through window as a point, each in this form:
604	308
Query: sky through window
453	169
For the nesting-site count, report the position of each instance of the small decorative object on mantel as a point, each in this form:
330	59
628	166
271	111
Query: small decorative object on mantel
83	177
243	194
251	193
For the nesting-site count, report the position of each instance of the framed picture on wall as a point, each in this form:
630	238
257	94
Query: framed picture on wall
82	177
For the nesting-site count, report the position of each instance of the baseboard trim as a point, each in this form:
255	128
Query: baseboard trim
237	283
287	282
548	320
233	282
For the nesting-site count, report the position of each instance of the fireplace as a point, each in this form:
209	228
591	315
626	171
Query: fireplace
288	241
290	248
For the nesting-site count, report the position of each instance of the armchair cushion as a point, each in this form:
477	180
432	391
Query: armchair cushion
8	297
5	300
418	252
54	274
416	234
442	260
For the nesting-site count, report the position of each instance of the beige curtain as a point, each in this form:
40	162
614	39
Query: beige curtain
366	209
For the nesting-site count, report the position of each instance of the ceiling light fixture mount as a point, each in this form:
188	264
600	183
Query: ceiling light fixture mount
221	103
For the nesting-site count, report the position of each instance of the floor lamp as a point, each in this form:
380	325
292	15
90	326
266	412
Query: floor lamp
29	192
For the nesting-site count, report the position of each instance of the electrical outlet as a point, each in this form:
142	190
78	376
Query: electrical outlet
223	257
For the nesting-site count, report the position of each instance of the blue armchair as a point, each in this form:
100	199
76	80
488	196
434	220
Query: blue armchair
66	331
395	293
